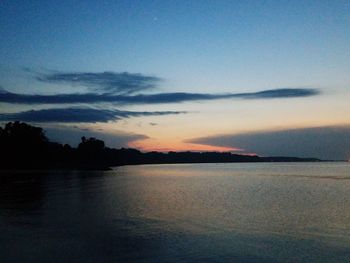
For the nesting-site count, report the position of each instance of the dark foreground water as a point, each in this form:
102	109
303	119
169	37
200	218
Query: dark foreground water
178	213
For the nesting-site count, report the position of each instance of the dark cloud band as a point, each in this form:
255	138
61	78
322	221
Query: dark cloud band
320	142
69	115
158	98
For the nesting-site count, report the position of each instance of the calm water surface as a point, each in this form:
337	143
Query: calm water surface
296	212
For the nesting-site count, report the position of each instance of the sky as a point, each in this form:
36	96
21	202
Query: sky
251	77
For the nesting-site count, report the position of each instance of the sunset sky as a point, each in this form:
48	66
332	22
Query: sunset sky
254	77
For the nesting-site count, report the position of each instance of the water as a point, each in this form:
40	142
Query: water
267	212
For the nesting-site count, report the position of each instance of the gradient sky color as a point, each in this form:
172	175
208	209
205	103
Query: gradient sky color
201	47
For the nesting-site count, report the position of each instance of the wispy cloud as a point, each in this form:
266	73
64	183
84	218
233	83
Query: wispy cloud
112	82
157	98
87	115
321	142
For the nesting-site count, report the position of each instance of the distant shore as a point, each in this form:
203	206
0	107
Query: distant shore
25	147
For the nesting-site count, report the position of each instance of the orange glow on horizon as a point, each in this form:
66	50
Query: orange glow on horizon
151	145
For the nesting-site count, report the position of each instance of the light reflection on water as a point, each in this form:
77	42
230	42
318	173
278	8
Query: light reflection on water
168	213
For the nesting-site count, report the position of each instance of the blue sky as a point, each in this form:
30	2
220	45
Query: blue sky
210	47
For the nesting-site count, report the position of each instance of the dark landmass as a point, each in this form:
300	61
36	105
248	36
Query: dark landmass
26	147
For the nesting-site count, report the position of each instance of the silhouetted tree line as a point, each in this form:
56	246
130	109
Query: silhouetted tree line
26	147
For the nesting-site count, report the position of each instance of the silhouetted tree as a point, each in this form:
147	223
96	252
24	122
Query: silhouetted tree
92	145
22	144
91	152
22	134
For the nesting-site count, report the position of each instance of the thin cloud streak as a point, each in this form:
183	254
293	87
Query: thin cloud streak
279	93
113	82
78	115
158	98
